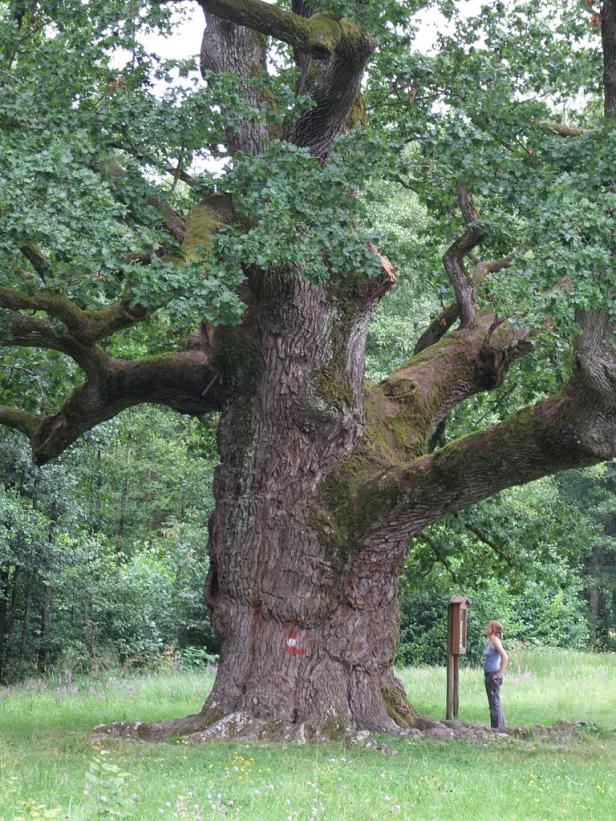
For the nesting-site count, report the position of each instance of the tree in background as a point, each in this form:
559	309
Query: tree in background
102	562
248	294
593	491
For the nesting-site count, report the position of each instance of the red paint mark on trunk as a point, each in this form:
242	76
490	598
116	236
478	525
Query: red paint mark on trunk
293	645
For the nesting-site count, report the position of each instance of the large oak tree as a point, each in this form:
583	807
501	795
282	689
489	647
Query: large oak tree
135	274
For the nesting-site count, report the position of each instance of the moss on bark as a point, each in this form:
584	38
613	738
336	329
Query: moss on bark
332	387
397	707
202	222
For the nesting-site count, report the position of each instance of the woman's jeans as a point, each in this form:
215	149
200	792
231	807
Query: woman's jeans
493	685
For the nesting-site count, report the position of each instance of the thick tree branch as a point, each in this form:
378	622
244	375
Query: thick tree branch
534	442
302	60
35	332
403	411
575	429
561	128
437	328
341	46
173	221
186	382
594	362
37	260
319	36
336	90
557	434
84	326
18	419
409	404
379	511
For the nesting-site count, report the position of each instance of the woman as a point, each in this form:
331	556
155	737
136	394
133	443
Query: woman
495	661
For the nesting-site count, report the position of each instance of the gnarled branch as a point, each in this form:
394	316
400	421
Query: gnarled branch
547	437
443	322
36	332
412	401
453	258
179	381
84	326
320	36
437	328
403	411
18	419
186	382
532	443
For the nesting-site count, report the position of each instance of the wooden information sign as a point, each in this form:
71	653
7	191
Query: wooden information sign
457	632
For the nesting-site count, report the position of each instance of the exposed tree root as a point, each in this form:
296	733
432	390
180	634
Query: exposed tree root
233	726
242	726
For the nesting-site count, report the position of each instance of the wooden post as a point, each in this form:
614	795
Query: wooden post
456	686
450	686
456	645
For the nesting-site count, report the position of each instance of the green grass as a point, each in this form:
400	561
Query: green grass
49	769
542	686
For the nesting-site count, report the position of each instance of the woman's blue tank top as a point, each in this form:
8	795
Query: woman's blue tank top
491	659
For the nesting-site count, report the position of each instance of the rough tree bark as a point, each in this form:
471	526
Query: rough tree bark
323	479
608	37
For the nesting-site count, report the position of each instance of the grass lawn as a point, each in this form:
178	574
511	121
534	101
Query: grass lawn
48	769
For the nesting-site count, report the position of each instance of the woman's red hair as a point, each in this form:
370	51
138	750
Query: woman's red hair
496	628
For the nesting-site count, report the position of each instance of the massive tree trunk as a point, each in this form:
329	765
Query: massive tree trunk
295	650
304	602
